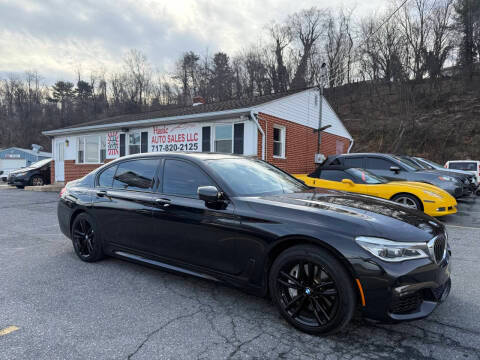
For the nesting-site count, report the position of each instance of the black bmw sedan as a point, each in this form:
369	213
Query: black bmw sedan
318	254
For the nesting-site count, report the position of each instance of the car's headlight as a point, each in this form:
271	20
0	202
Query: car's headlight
393	251
431	193
447	178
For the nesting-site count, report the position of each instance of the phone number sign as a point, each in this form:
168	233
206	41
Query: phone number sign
183	137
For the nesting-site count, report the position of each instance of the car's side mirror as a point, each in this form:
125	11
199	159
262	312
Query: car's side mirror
209	194
348	182
395	169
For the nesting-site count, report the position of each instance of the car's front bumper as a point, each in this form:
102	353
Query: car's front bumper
440	208
17	181
403	291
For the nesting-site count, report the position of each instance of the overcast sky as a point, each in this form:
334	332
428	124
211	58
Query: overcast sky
57	37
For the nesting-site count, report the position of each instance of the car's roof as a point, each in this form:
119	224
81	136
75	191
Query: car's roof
187	155
462	161
362	154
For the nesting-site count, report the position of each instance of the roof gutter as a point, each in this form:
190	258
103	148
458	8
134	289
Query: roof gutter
351	145
148	122
253	116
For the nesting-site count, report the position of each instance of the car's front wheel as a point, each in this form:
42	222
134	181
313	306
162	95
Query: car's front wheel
37	181
86	239
408	201
312	290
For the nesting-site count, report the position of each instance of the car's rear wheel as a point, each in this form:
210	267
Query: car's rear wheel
408	201
312	290
85	238
37	181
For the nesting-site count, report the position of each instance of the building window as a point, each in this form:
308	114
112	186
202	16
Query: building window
278	141
134	140
91	149
223	138
137	142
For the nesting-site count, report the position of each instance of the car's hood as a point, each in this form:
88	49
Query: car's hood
421	186
437	173
20	170
386	218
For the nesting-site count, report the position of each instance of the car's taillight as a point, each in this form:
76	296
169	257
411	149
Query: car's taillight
478	169
63	191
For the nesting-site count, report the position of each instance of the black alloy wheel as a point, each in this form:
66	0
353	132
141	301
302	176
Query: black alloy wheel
86	241
37	181
312	290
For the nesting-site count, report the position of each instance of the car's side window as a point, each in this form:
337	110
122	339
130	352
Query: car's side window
183	178
379	164
334	175
354	162
135	174
105	179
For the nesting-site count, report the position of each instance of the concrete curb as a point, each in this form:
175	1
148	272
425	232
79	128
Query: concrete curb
7	187
45	188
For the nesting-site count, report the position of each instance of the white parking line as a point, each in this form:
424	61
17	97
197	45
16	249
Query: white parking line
8	330
463	227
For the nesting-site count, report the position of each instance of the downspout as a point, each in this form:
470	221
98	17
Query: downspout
350	147
253	116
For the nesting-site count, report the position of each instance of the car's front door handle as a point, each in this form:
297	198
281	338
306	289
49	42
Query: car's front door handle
163	202
101	193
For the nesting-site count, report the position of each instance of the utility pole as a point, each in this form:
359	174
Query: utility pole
320	107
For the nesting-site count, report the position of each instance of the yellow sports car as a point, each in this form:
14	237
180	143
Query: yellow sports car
421	196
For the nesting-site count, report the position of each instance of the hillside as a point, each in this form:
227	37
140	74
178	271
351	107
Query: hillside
439	121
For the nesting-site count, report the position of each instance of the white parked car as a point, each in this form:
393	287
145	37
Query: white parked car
472	166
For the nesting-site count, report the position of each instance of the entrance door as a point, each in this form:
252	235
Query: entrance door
59	163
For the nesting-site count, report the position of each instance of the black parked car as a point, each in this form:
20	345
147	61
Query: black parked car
393	167
37	174
319	254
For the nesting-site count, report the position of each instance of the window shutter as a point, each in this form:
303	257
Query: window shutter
144	142
206	138
122	144
238	138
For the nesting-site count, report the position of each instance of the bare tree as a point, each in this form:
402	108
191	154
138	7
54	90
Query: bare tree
281	35
307	27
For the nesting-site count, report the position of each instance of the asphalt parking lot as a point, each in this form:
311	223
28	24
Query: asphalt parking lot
53	306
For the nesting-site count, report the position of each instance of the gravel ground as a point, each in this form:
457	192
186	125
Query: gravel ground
66	309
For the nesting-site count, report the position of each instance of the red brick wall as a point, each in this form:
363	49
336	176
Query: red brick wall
301	144
75	171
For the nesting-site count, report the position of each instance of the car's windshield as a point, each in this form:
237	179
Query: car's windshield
248	177
423	164
466	166
39	164
433	164
365	176
407	162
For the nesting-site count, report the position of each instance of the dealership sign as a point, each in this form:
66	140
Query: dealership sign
12	156
180	137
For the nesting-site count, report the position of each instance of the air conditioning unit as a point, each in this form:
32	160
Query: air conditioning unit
319	158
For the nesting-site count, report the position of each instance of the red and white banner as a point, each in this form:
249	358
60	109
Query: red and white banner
113	145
